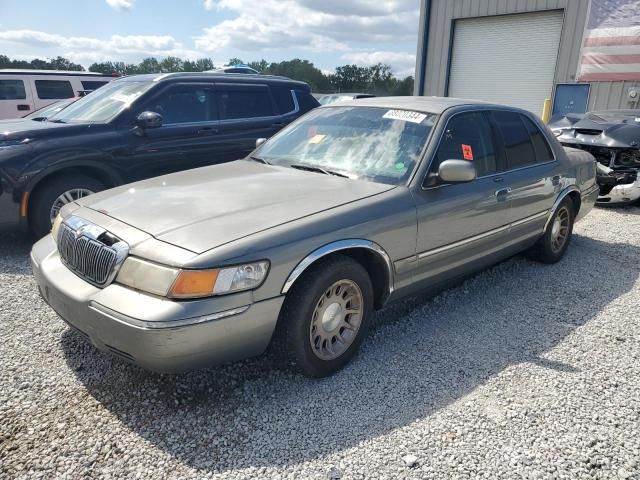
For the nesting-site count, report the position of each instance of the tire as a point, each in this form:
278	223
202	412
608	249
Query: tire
547	249
296	339
48	194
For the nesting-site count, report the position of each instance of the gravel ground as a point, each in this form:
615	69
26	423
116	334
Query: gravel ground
523	371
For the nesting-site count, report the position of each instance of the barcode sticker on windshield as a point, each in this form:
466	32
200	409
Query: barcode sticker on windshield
405	116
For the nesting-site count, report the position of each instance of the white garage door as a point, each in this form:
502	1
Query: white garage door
508	59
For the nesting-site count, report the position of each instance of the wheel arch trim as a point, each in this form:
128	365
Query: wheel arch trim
338	246
563	194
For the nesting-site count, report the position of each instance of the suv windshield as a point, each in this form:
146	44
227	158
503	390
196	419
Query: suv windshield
104	104
376	144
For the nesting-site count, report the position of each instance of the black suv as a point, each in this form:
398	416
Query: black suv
137	127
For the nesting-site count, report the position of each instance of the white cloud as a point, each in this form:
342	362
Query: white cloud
329	26
121	4
402	63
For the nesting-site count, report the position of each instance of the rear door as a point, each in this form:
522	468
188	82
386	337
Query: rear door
247	112
16	99
532	176
460	223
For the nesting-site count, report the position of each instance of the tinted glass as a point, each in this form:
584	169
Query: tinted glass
306	101
92	84
540	144
184	104
283	98
367	143
244	103
12	90
516	140
54	89
468	137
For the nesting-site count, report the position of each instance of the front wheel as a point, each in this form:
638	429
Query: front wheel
325	316
55	194
554	243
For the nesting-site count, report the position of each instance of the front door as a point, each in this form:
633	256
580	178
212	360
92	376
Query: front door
461	223
187	138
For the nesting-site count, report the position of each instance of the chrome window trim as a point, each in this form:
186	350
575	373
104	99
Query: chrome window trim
336	247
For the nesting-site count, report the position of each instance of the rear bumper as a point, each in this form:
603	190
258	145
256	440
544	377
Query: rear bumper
166	337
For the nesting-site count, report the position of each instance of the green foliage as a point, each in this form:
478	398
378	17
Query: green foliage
377	79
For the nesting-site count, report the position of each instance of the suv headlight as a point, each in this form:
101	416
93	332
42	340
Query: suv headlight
185	284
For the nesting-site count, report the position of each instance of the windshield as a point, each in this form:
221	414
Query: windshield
49	110
369	143
104	104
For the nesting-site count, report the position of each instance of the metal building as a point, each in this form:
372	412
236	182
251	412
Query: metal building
521	52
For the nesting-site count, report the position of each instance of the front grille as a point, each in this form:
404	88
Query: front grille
89	258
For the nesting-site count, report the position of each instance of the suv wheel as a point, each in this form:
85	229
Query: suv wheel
555	241
55	194
325	316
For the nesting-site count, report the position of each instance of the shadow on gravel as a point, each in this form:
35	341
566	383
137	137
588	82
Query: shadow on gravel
14	252
423	353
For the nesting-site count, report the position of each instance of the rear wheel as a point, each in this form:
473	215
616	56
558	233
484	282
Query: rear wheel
557	236
325	316
55	194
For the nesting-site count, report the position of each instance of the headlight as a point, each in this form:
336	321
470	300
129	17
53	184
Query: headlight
557	131
56	227
183	284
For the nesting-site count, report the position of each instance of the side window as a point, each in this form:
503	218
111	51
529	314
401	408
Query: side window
12	90
468	137
54	89
540	143
306	101
283	98
515	137
244	102
185	104
92	84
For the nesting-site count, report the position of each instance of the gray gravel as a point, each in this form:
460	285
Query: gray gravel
523	371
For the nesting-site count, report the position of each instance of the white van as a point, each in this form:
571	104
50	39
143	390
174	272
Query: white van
23	91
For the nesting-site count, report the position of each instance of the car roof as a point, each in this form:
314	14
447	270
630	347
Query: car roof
435	105
227	77
27	71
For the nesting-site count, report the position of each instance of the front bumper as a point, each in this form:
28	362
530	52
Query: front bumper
153	332
621	194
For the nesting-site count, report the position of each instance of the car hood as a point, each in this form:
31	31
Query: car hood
26	129
207	207
609	128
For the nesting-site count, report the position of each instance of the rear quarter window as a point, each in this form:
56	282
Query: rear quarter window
540	144
12	90
306	101
54	89
283	98
92	84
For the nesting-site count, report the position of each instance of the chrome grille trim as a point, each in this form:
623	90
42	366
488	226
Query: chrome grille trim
84	253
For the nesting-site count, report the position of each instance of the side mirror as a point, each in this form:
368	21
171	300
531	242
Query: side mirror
149	120
260	141
456	171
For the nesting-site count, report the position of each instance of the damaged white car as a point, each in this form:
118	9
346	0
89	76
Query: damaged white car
613	138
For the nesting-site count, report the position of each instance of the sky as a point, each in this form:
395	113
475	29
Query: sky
327	32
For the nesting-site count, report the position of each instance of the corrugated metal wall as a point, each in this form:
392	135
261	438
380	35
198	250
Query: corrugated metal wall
443	12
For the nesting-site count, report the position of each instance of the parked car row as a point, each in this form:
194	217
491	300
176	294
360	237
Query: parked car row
354	205
134	128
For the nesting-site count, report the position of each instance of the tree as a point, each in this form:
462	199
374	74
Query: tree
235	61
149	65
260	65
171	64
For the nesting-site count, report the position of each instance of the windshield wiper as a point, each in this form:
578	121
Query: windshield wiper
314	168
259	159
56	121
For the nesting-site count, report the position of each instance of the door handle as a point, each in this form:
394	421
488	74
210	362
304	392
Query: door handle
23	107
502	193
555	180
207	131
498	179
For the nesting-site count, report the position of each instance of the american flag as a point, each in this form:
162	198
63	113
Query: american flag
611	45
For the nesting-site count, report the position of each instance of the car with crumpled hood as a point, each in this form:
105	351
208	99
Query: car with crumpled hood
613	138
353	206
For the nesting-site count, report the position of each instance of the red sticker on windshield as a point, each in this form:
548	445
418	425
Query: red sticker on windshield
467	153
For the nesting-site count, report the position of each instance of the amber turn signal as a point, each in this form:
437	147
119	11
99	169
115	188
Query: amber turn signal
194	283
